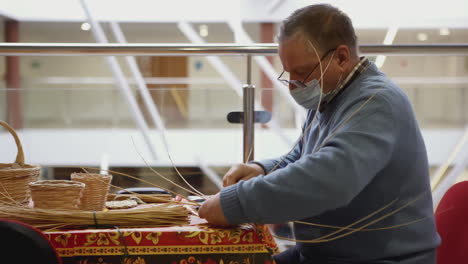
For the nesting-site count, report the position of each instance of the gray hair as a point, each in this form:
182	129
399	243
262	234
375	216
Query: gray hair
325	26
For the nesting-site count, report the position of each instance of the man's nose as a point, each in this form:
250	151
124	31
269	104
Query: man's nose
293	81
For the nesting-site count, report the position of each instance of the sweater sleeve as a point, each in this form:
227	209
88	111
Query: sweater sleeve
329	178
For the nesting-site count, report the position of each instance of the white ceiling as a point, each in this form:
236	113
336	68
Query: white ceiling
364	13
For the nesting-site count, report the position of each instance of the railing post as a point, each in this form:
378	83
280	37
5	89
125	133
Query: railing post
249	103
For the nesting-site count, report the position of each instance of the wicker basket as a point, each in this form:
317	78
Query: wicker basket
56	194
96	190
15	177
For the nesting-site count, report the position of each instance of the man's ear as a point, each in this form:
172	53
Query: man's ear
343	55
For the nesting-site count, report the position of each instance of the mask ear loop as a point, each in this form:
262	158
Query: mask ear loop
339	85
322	73
339	80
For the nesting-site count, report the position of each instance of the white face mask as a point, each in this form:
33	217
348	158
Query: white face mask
308	95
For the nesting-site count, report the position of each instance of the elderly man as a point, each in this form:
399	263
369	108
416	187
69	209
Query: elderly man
356	185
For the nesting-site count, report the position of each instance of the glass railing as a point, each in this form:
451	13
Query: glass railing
70	87
74	89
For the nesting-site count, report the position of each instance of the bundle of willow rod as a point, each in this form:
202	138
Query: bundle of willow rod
158	215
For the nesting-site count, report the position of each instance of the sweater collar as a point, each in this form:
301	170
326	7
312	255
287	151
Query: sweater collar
355	72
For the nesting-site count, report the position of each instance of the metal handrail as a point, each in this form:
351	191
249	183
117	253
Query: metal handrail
141	49
151	49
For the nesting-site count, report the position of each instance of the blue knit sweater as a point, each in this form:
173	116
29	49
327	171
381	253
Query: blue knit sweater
358	156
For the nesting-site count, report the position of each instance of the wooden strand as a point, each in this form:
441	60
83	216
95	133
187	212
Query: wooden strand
152	197
162	200
173	165
358	221
138	179
440	174
5	194
323	238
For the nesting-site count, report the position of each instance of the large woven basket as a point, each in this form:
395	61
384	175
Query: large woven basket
56	194
96	189
15	177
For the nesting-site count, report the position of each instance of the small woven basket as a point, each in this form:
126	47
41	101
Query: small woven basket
96	189
15	177
56	194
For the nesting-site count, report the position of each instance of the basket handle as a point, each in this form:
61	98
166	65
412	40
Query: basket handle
20	155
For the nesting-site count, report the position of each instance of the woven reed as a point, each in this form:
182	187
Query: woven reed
57	194
96	190
156	215
15	177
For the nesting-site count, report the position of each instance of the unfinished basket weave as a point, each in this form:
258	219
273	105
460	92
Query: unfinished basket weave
56	194
15	177
96	190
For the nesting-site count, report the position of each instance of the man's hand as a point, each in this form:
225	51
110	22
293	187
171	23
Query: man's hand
242	171
211	211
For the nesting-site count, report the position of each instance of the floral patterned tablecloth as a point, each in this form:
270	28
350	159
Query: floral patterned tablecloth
195	243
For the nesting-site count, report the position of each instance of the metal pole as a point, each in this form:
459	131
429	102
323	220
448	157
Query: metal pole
249	102
270	72
145	49
230	77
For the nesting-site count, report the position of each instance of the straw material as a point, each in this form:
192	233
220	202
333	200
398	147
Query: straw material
147	198
96	190
56	194
15	177
156	215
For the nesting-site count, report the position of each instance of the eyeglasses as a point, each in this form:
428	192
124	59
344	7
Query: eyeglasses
297	83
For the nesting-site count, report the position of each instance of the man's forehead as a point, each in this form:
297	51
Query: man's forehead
296	54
